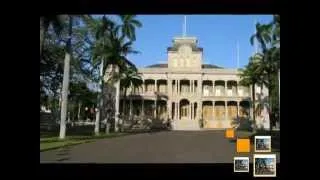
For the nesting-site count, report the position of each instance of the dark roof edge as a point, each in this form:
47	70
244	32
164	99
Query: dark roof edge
204	66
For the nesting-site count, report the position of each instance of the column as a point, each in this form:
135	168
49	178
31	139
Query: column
213	110
155	109
142	86
178	88
130	110
200	110
238	109
189	114
155	86
192	111
169	87
213	87
172	88
193	86
175	111
142	108
237	88
178	104
190	84
200	87
226	110
169	110
225	87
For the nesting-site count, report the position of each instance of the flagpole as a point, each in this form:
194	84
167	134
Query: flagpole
184	33
238	55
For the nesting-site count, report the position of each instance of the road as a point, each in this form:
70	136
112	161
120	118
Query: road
158	147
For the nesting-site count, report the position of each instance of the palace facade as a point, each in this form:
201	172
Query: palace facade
186	91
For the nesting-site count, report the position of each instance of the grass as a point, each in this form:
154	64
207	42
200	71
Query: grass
49	143
75	135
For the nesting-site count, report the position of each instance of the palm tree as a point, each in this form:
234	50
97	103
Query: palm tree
268	36
128	26
65	84
110	52
102	30
262	35
130	78
118	64
45	21
251	75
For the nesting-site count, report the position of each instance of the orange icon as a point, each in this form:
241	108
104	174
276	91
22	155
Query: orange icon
230	133
243	145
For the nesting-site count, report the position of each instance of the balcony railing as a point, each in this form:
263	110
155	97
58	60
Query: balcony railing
217	92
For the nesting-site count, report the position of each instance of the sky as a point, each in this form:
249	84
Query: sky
217	35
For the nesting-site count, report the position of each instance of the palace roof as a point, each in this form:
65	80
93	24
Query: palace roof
204	66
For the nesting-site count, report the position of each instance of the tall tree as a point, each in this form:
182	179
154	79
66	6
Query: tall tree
268	36
109	52
102	29
65	84
251	75
115	60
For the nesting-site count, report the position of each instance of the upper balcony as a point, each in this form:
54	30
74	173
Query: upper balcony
190	88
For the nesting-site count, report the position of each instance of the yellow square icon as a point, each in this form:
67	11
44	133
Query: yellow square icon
230	133
243	145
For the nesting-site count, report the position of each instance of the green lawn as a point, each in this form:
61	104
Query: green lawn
49	143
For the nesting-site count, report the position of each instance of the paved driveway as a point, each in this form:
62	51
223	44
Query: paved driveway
160	147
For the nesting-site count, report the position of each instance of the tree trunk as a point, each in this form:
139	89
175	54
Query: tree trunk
270	107
254	106
117	86
124	102
100	101
124	117
65	84
79	109
270	89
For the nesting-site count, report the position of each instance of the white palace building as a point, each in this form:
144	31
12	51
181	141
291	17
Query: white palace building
186	91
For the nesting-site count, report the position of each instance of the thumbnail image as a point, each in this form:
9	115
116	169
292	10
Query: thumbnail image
241	164
262	143
264	165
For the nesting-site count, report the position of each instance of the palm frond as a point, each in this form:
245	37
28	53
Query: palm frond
136	23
